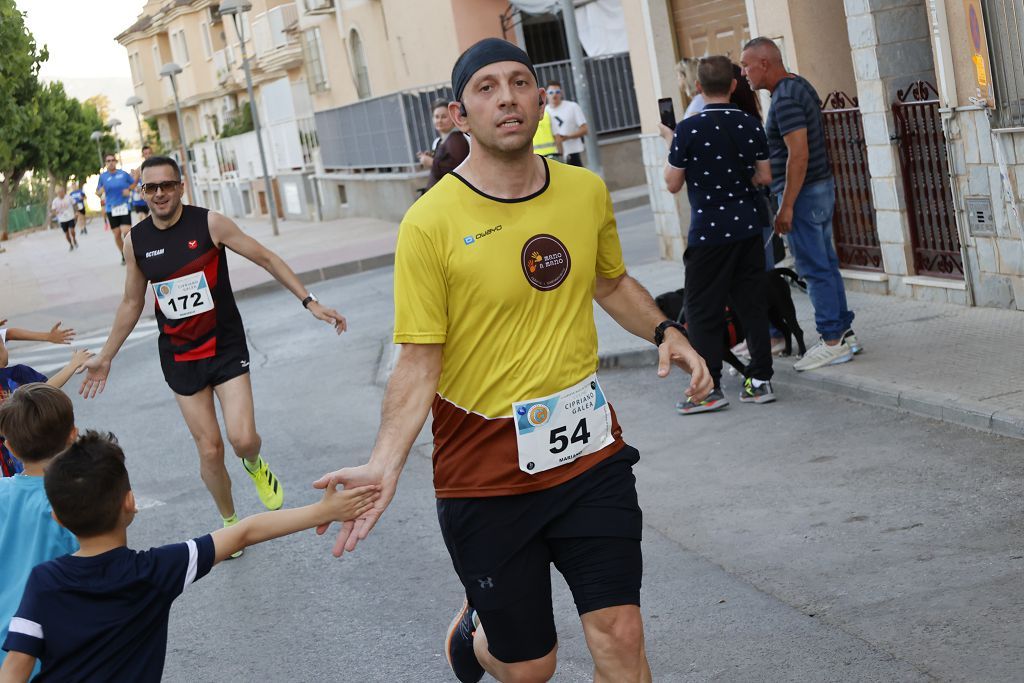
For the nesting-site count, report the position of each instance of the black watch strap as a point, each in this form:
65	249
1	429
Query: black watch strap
659	331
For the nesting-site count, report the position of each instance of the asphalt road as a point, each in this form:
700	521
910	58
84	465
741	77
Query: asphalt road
815	539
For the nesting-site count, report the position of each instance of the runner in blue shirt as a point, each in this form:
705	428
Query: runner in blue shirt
78	197
115	187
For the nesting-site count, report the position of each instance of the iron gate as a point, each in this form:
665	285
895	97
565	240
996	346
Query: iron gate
930	210
853	225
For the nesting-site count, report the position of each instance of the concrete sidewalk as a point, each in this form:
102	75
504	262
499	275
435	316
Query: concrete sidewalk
952	363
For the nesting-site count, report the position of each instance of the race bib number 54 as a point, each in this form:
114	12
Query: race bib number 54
556	430
184	297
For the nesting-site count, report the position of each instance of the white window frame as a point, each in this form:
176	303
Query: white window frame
179	45
157	63
135	64
204	29
1004	24
318	82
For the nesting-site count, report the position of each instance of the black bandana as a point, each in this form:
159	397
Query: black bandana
479	55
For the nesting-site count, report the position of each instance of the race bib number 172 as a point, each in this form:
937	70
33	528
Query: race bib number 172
556	430
184	297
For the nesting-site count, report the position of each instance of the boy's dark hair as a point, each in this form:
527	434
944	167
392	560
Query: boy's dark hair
87	483
715	75
160	161
439	103
553	82
145	147
36	421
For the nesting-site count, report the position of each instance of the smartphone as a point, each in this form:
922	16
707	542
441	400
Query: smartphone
667	112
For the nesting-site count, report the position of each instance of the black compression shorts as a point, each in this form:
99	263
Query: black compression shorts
186	378
502	548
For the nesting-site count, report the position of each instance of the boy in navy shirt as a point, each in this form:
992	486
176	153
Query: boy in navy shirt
101	614
722	156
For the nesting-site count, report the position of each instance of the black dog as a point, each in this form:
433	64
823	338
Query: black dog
781	314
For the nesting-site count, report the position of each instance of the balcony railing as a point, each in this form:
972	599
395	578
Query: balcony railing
387	132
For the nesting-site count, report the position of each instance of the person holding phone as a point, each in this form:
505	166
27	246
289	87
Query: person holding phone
721	154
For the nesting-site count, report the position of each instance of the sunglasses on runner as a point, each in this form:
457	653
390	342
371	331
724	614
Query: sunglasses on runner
166	186
553	91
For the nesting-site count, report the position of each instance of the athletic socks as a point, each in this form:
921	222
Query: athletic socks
229	521
251	468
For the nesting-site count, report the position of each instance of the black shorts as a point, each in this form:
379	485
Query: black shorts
141	208
186	378
502	549
81	210
115	221
67	225
574	159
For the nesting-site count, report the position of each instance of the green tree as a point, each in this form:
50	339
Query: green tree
19	87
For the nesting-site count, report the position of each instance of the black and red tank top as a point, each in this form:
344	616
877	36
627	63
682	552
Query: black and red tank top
195	308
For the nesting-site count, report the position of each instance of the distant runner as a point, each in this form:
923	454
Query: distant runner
115	188
179	249
63	207
78	197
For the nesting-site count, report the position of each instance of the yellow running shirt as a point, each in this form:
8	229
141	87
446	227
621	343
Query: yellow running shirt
507	287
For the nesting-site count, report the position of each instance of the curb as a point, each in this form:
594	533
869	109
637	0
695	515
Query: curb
937	406
308	277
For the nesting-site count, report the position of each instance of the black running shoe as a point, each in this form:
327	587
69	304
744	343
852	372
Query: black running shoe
458	647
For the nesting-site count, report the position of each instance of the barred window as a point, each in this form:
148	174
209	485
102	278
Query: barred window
1004	23
312	48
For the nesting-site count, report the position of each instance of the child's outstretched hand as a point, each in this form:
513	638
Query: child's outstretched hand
56	335
78	359
348	504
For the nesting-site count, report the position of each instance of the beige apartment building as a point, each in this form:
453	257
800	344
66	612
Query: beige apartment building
343	88
924	113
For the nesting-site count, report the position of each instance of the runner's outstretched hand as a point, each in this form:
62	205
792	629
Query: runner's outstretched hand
96	370
328	315
676	350
356	530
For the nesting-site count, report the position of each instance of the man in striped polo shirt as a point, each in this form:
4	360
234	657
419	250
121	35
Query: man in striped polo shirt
805	191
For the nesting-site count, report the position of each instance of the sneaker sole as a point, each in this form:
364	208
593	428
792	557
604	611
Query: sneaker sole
758	399
710	407
451	631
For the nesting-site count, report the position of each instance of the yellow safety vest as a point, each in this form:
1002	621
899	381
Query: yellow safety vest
544	139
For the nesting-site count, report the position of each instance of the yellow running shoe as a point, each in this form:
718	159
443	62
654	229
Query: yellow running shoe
270	490
234	521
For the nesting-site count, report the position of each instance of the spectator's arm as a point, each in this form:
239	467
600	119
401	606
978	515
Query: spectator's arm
675	172
580	132
762	173
796	166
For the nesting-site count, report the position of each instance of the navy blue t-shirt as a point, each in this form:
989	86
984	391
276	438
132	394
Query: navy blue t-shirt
104	618
796	105
718	149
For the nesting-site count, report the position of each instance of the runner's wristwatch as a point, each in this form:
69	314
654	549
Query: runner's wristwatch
659	331
309	299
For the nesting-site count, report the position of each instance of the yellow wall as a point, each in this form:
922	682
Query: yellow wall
961	52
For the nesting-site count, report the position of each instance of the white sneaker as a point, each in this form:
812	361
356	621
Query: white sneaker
821	354
851	340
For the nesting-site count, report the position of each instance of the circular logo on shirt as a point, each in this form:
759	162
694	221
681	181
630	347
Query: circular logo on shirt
538	415
165	290
545	261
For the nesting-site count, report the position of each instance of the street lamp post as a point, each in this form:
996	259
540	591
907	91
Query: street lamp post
97	136
113	124
134	101
235	8
170	70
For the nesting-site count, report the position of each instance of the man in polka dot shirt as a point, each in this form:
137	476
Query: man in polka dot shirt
722	155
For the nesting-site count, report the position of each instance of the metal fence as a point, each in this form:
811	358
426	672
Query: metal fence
855	231
387	132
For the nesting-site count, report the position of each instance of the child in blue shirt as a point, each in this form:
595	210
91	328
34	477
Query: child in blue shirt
38	423
101	614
